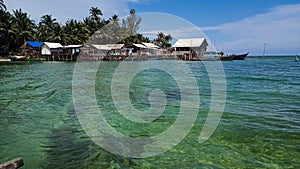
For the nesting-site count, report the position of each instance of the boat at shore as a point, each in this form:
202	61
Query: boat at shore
18	59
4	61
239	56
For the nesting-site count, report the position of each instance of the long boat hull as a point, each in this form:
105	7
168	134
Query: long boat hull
226	58
18	59
240	57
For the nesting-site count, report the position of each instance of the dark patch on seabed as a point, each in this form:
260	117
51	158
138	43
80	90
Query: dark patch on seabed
70	147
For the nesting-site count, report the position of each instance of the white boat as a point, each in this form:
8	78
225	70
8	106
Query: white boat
18	59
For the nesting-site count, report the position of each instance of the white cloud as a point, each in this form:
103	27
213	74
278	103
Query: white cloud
279	28
155	22
180	32
63	10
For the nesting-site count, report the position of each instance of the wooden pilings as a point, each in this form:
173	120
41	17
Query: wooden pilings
13	164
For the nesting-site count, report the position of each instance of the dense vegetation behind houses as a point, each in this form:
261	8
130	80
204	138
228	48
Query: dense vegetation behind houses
17	27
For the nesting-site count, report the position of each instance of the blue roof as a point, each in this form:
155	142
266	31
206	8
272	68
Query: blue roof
35	44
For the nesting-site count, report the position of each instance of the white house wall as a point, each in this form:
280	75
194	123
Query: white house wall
46	50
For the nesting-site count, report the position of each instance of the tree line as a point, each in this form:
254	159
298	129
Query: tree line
17	27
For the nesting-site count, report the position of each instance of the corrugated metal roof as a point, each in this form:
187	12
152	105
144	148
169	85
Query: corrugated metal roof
193	42
116	46
109	46
73	46
101	47
34	44
150	45
139	45
52	45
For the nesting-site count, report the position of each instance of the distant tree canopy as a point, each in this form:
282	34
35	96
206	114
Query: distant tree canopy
2	5
132	23
17	27
163	40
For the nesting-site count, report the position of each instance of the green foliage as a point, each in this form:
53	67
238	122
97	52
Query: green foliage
45	27
17	27
138	38
116	32
2	6
163	40
131	23
5	31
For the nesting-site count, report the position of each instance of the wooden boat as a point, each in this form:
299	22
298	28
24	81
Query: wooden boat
4	61
209	59
226	58
240	56
13	164
211	56
18	59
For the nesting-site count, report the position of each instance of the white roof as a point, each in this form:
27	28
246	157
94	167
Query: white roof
193	42
139	45
116	46
101	47
150	45
109	46
52	45
73	46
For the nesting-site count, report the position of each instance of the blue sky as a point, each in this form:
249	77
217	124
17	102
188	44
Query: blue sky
233	26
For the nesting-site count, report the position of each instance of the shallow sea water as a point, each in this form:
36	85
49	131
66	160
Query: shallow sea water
260	126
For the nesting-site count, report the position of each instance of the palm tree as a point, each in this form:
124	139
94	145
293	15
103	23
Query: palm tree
112	31
138	38
2	6
114	18
95	14
5	31
163	40
94	21
77	32
23	27
58	35
83	33
45	27
71	31
89	24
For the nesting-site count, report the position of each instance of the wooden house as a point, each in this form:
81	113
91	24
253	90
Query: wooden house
152	49
31	49
190	48
52	51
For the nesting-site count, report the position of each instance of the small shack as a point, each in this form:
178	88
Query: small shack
89	52
52	51
111	51
117	49
152	48
31	49
190	48
71	52
103	52
139	49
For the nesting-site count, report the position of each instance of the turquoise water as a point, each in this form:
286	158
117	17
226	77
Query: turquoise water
260	126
